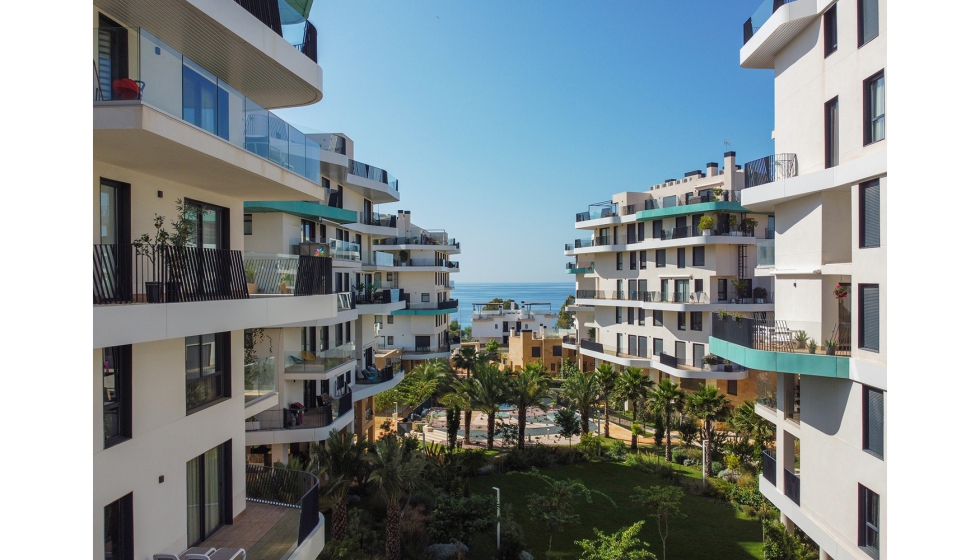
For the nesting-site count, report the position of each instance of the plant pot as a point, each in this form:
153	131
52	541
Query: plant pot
831	351
760	300
812	350
801	344
154	292
717	367
253	288
283	289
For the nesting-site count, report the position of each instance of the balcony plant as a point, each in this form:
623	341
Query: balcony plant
741	286
801	339
748	225
760	294
284	281
716	194
812	347
711	361
403	256
706	224
155	247
840	292
831	347
152	248
250	275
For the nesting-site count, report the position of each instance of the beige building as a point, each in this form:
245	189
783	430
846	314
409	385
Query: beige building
655	266
542	345
827	187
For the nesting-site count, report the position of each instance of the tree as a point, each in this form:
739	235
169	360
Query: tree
750	425
555	509
454	327
423	381
456	518
708	405
461	398
343	460
489	391
607	382
632	386
667	398
582	391
500	303
565	317
568	424
492	346
528	389
664	504
397	474
465	359
616	546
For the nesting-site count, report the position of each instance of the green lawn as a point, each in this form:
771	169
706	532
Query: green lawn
711	530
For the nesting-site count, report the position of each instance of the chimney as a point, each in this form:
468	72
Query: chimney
712	168
513	332
729	162
542	330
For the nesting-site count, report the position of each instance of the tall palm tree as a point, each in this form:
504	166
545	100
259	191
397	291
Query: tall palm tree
397	473
490	388
528	389
343	459
465	359
462	397
708	405
607	380
633	386
582	390
667	398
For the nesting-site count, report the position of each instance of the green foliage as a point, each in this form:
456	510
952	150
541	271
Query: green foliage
688	430
492	346
731	462
422	382
663	504
582	391
751	427
457	518
621	545
780	544
505	304
454	327
659	430
363	540
565	317
591	446
707	404
567	422
556	508
706	223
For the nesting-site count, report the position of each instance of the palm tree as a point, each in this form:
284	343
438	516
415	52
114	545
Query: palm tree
750	425
461	397
343	459
397	473
708	405
633	386
528	389
667	398
607	380
465	358
490	389
582	390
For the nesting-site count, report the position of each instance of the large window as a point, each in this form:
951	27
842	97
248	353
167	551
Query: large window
619	261
619	315
682	321
867	21
869	509
118	529
117	394
208	493
536	352
556	351
869	214
658	318
630	315
698	256
632	260
830	31
696	320
680	257
643	259
831	124
658	346
661	258
207	358
868	317
874	108
874	422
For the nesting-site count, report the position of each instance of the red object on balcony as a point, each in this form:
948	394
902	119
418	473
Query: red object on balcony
126	89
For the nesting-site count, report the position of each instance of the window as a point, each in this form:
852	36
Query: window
552	367
643	260
118	529
391	319
658	346
348	331
874	108
208	493
391	341
641	317
631	348
680	257
867	21
699	286
874	422
868	317
425	297
658	318
658	229
868	509
619	342
733	387
536	352
682	321
869	214
831	126
661	258
698	256
641	347
632	260
556	351
696	319
619	261
206	361
248	224
117	396
830	31
630	315
639	231
619	315
722	289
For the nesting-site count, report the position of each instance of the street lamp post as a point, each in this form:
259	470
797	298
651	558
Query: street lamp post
498	516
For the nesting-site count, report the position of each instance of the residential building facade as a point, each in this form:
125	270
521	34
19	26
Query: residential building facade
494	321
826	185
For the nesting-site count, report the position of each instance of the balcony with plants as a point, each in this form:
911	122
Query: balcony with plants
321	362
298	417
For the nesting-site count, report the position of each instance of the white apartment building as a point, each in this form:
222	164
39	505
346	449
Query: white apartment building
649	276
827	187
491	321
415	262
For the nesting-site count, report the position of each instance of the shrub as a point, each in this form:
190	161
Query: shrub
731	462
728	475
591	446
688	430
617	449
471	461
659	430
716	466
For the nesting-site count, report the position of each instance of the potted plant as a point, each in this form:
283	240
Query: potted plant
732	224
840	292
152	248
748	225
284	281
706	224
711	361
760	294
741	286
716	194
403	256
812	347
801	338
253	287
831	347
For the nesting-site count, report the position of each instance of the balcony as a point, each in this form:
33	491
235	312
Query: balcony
760	17
770	345
378	258
769	467
322	362
791	485
162	78
435	263
575	268
300	418
260	379
765	253
419	352
378	297
281	515
448	304
271	274
376	219
424	241
770	169
372	173
597	211
288	23
596	242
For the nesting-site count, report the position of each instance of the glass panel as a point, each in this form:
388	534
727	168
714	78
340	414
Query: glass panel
297	151
200	97
108	215
212	490
312	161
210	229
194	535
256	129
160	69
231	114
878	109
278	141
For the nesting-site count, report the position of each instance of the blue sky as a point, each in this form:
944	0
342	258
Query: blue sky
503	119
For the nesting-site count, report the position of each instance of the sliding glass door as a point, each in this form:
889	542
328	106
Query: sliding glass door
206	494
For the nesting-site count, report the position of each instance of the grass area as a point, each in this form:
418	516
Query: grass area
710	531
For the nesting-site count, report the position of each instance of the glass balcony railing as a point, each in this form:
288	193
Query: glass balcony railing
760	17
765	252
260	378
345	250
371	172
306	361
138	66
283	18
598	211
380	259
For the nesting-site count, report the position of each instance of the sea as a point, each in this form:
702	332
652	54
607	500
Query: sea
544	292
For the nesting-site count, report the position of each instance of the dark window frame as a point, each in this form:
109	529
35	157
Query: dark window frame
866	423
222	371
123	532
831	128
681	258
681	321
697	321
619	261
658	318
632	260
732	388
862	7
863	343
247	224
697	255
120	360
863	242
556	351
866	497
643	260
535	351
661	258
867	123
830	31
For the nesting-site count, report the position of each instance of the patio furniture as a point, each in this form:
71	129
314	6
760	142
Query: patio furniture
198	551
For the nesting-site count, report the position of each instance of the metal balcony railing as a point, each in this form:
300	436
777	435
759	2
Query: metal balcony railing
769	467
791	486
298	492
770	168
